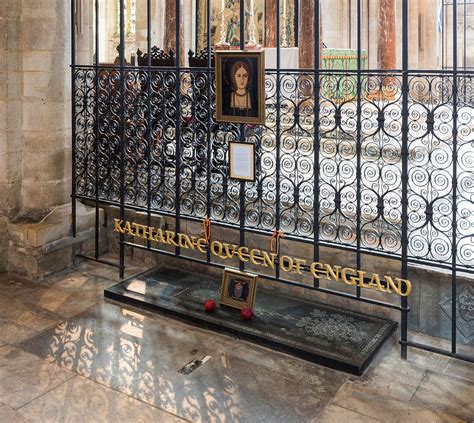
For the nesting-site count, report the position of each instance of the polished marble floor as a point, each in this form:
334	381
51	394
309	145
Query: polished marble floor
66	355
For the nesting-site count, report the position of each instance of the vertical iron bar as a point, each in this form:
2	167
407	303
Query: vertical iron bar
317	129
359	136
73	104
150	114
196	30
242	24
368	28
163	97
178	122
122	135
464	35
242	139
442	34
455	175
97	132
278	125
349	18
209	116
296	20
404	154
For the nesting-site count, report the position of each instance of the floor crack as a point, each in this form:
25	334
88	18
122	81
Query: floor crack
418	387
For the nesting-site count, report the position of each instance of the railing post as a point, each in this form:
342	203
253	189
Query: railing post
404	157
455	176
242	139
122	135
278	127
73	114
209	117
149	115
178	122
317	129
97	131
359	136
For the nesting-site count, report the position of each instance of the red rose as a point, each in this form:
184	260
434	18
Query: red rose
210	306
247	314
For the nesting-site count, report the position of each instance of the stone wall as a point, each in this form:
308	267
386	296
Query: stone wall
35	123
10	108
10	118
35	138
46	126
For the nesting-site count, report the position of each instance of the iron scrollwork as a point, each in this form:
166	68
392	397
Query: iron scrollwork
360	161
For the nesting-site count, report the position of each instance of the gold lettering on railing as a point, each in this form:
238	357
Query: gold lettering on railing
226	251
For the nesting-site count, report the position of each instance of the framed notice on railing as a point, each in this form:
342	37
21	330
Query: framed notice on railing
242	161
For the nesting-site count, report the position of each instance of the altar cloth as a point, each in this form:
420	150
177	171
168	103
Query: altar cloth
288	58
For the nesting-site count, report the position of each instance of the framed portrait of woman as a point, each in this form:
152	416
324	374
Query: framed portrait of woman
240	87
238	289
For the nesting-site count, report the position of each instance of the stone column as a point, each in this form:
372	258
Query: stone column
372	45
170	28
306	34
387	36
413	35
270	23
10	119
85	41
429	36
141	28
10	110
46	104
35	139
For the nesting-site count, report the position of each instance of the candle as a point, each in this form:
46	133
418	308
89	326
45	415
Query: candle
223	42
252	42
284	35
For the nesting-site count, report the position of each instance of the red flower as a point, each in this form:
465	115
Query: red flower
210	306
247	314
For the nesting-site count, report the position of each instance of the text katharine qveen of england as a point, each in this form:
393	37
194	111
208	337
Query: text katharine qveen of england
258	257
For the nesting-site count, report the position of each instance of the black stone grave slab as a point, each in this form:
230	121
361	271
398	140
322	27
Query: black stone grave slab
327	335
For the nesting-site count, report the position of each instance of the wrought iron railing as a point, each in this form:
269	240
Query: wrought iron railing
435	213
371	162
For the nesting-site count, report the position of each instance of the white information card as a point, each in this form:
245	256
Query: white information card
242	161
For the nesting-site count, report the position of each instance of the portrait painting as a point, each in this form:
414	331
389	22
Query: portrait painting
240	87
238	289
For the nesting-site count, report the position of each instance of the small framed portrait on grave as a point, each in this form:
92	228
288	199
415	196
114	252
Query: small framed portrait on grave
238	289
242	161
240	87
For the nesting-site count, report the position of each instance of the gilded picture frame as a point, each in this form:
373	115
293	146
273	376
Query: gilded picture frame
240	87
238	289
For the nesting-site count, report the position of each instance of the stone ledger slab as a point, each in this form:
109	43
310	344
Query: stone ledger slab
327	335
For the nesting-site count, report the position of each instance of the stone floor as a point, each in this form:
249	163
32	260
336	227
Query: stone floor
68	355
